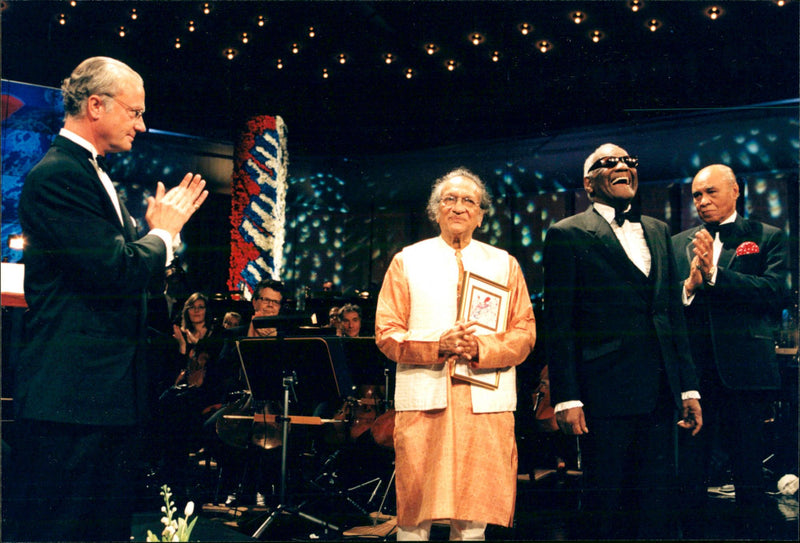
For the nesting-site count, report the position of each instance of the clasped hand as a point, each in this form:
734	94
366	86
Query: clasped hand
703	261
170	210
460	342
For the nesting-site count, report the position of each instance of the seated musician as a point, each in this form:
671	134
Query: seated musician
184	406
232	319
333	320
267	298
350	320
248	471
192	338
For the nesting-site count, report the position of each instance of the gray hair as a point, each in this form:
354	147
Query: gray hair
598	153
95	75
436	191
349	308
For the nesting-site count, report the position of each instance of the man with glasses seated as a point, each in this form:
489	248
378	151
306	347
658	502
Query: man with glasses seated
621	375
267	299
248	470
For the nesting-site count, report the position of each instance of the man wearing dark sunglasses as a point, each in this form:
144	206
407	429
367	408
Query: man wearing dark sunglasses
617	353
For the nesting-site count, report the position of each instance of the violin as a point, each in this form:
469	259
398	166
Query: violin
360	414
195	371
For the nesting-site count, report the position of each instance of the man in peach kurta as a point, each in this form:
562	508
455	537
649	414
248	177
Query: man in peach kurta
456	455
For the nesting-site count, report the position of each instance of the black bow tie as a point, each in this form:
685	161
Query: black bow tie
725	230
621	216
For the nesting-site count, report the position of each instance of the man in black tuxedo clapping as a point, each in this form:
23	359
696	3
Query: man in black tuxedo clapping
734	287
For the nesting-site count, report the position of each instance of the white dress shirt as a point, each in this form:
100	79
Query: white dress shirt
687	300
631	237
112	192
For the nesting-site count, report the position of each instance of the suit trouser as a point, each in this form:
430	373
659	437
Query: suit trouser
69	482
733	424
629	475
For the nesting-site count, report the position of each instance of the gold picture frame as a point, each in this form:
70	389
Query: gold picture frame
486	303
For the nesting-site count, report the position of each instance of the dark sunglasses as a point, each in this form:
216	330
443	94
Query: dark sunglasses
612	161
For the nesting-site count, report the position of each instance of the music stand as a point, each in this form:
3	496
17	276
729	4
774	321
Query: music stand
367	364
284	324
289	361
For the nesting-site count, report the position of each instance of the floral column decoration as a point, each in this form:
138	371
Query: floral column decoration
258	204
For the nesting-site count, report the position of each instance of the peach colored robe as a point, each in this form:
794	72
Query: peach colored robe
452	462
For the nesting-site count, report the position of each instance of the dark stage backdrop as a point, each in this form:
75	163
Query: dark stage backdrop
346	216
32	116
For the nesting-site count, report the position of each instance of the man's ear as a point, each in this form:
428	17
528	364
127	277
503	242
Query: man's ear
93	105
588	185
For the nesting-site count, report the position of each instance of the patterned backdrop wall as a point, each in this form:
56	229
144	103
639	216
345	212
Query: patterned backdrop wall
342	218
258	204
347	216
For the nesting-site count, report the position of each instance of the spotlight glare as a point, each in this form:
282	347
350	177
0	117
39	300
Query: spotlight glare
16	243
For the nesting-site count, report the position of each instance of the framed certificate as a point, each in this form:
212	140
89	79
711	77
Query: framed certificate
482	377
486	303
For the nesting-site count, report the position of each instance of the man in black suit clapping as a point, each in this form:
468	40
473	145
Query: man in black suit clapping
734	287
615	339
80	381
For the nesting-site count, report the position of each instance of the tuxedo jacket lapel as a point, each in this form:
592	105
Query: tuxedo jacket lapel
658	250
130	231
727	257
616	254
83	158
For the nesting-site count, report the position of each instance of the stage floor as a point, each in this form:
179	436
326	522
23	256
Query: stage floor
546	511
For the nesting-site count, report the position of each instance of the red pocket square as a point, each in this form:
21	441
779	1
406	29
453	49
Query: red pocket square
747	248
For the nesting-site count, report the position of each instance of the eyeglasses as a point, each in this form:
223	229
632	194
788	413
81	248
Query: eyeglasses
451	201
197	308
136	113
268	301
612	161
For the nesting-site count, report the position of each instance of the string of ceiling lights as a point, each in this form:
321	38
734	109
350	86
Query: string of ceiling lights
477	38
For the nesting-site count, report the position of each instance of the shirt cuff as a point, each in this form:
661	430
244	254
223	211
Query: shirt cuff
713	279
170	243
690	395
562	406
687	300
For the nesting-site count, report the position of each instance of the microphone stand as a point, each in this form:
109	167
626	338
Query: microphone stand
283	507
